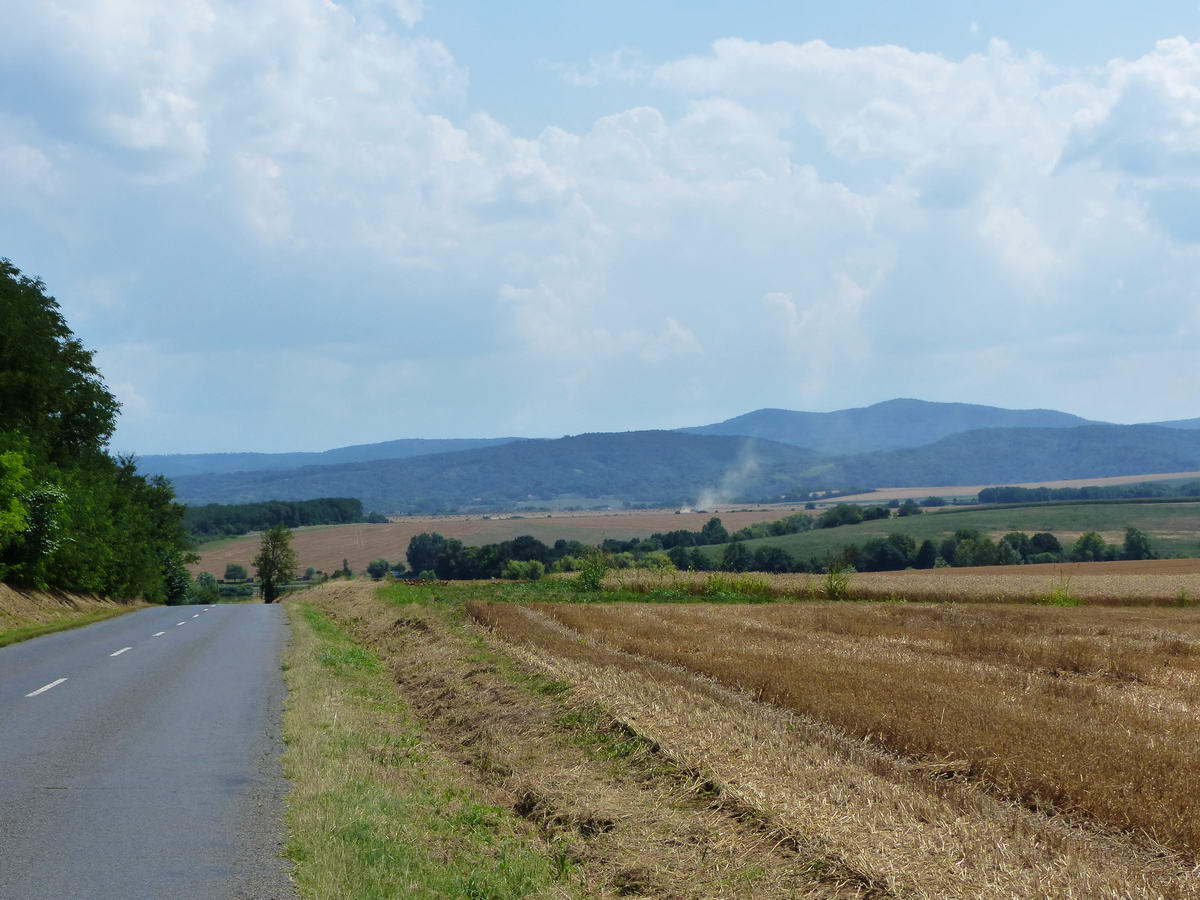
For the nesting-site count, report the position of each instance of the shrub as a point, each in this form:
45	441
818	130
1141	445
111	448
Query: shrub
592	567
1059	595
836	584
524	570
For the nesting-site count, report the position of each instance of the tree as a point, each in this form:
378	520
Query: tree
235	572
377	568
737	557
204	589
1137	545
276	561
713	532
1044	542
423	551
909	508
1089	548
926	556
773	559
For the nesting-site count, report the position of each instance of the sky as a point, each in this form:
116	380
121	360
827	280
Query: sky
301	224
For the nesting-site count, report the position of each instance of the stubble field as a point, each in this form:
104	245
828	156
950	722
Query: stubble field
954	750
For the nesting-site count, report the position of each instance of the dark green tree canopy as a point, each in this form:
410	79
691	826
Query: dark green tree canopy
50	390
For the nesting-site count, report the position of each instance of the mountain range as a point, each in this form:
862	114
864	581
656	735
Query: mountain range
761	455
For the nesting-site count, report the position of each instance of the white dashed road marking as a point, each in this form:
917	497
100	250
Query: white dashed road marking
181	623
158	634
196	616
119	652
45	687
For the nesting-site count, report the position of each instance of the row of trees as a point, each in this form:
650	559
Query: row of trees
216	520
1141	491
72	516
442	557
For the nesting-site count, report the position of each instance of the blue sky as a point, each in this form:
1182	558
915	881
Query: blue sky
294	224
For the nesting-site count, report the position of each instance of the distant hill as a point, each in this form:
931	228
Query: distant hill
1012	455
177	464
640	467
890	425
1179	423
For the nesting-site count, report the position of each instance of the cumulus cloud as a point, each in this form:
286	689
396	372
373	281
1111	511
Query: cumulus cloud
234	182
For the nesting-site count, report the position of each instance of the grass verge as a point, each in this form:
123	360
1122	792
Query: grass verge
37	629
376	811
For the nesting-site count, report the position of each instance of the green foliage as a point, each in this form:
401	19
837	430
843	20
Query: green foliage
736	557
592	568
836	584
1089	548
205	589
216	520
1137	545
909	508
275	563
377	568
236	572
1060	594
524	570
72	516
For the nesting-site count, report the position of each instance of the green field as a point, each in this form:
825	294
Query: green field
1174	528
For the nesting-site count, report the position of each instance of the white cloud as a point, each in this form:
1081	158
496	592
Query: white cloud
262	176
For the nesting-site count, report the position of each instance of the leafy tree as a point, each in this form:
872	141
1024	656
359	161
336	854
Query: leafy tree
275	563
680	556
909	508
926	556
1044	542
15	482
737	557
933	501
1007	554
1089	548
713	532
773	559
1137	545
423	551
205	589
235	572
347	572
842	514
1019	542
524	570
377	568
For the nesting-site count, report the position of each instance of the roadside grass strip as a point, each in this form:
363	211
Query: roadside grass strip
27	632
376	811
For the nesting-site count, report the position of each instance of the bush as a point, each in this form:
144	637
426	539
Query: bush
377	568
592	568
523	570
836	584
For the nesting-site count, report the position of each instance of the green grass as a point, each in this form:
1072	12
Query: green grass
376	812
1179	519
27	632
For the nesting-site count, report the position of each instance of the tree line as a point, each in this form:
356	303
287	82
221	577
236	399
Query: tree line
215	520
72	516
1143	491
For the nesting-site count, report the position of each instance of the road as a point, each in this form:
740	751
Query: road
139	758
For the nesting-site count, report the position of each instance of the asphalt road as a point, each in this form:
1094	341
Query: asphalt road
139	758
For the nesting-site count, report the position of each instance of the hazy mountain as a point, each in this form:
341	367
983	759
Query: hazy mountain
1178	423
890	425
177	464
640	466
1011	455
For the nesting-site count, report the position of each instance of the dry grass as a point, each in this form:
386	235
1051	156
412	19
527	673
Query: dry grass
964	490
1150	582
631	822
29	614
912	826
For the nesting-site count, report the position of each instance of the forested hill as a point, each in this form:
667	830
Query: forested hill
1012	455
175	464
663	467
890	425
639	466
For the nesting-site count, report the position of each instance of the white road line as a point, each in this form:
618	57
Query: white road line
119	652
158	634
45	687
181	623
196	616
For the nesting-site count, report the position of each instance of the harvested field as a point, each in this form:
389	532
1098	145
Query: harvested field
937	751
1134	583
324	547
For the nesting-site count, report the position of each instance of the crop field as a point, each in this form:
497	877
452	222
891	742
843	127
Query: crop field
954	750
1174	528
324	547
1153	582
